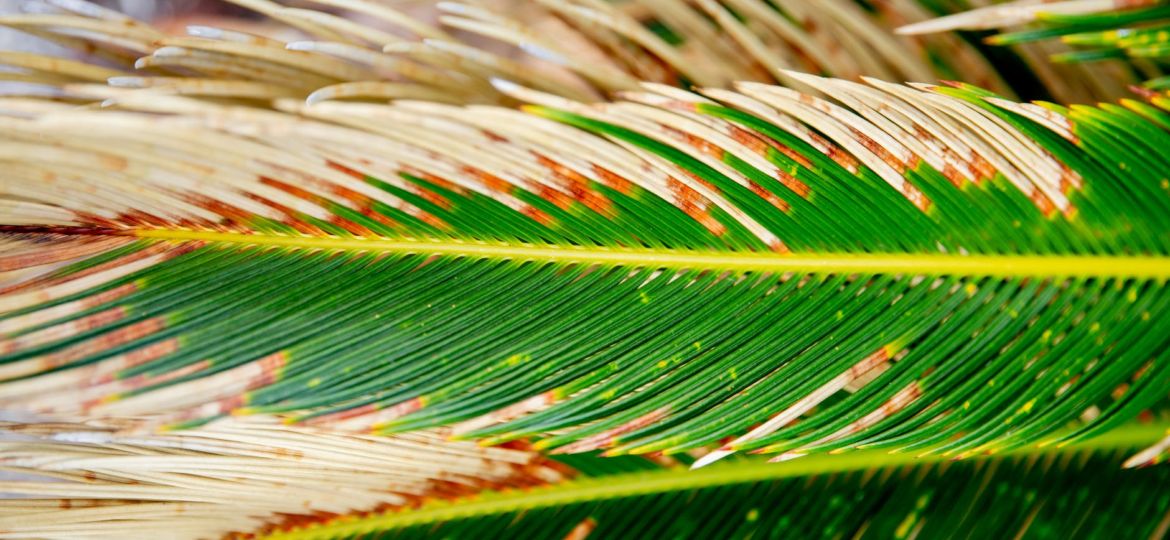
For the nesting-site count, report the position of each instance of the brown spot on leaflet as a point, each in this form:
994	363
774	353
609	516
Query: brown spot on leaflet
613	180
691	202
790	182
610	436
550	194
492	181
143	380
291	216
880	151
982	167
138	218
353	173
363	203
109	340
300	193
270	368
1045	204
582	530
952	175
431	219
436	180
749	139
916	196
107	296
235	216
538	215
577	185
343	415
772	199
843	158
495	137
168	251
59	253
698	143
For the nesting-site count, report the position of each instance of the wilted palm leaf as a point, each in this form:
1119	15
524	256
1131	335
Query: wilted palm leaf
93	480
576	48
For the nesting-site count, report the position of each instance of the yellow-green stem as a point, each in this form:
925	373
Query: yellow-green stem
873	263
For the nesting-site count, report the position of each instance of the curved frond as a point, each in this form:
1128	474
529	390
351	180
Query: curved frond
364	49
94	480
344	272
1075	493
1098	31
926	269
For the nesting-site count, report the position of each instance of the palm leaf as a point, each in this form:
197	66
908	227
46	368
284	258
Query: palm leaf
577	48
255	476
614	291
1077	492
93	480
1134	31
935	271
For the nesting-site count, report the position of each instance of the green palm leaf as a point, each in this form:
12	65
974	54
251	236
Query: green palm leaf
1077	492
613	291
875	278
256	475
1134	31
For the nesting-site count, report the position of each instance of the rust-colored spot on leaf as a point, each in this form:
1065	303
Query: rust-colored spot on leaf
982	167
550	194
582	530
492	181
610	436
234	216
291	216
772	199
1043	202
577	185
270	367
538	215
104	342
345	170
916	196
613	180
108	296
880	151
791	182
436	180
749	139
698	143
952	175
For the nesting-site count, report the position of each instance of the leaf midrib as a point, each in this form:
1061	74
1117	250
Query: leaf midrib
1068	266
667	480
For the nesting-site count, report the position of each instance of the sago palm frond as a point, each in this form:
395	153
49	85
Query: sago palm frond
859	274
1135	31
291	482
599	46
94	480
1076	492
769	270
583	49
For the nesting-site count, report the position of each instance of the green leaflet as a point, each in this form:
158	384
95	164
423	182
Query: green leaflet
599	276
1136	31
1073	493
